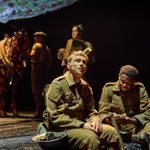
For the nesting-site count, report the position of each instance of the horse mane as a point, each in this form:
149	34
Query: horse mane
13	49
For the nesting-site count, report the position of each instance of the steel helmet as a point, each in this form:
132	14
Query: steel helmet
52	140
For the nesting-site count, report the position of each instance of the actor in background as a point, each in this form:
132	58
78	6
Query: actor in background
74	44
41	62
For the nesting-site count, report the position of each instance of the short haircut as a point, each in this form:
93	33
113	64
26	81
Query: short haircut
129	70
77	53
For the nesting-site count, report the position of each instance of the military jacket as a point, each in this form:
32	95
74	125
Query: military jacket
69	105
135	102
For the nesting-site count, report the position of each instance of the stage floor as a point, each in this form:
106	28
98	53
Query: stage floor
16	133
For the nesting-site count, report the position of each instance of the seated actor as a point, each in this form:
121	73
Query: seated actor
70	107
128	100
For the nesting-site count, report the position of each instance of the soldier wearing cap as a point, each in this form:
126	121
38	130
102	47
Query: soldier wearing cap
41	62
128	100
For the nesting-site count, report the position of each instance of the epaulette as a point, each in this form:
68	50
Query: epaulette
110	84
60	78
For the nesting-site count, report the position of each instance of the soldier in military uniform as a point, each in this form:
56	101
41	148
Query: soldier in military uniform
70	107
41	61
128	100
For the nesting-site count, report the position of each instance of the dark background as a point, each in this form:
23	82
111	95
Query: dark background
118	31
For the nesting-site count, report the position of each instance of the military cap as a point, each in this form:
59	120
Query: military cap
40	33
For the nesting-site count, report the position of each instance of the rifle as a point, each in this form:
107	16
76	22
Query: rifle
114	123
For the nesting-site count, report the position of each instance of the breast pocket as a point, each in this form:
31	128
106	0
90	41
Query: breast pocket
117	105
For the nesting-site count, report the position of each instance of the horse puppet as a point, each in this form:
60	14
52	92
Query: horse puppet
13	56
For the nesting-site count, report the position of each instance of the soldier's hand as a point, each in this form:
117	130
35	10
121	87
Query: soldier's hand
123	118
95	126
120	117
131	120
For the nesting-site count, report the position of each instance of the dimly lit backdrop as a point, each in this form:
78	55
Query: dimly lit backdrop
118	31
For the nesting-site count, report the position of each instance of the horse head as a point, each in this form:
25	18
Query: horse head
14	49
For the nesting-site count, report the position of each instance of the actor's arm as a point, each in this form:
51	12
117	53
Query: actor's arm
144	115
105	103
56	107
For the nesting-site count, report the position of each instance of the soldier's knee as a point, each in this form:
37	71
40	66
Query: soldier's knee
85	139
109	133
91	142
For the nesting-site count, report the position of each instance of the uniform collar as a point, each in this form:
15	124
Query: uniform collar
69	77
116	87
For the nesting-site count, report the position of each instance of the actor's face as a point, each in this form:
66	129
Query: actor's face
125	82
78	65
37	38
75	33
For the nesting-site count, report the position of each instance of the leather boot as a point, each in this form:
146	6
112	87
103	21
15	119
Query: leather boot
14	109
2	108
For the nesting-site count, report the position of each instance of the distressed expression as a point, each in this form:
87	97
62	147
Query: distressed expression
78	65
126	82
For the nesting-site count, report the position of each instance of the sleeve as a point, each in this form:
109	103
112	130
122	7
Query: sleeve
36	52
33	50
56	108
144	115
104	103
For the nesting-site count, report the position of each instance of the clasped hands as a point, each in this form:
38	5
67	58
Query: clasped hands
94	124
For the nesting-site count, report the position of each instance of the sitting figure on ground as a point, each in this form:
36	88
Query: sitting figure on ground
70	107
128	101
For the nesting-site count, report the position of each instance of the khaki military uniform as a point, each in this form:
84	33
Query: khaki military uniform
69	106
41	61
135	103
